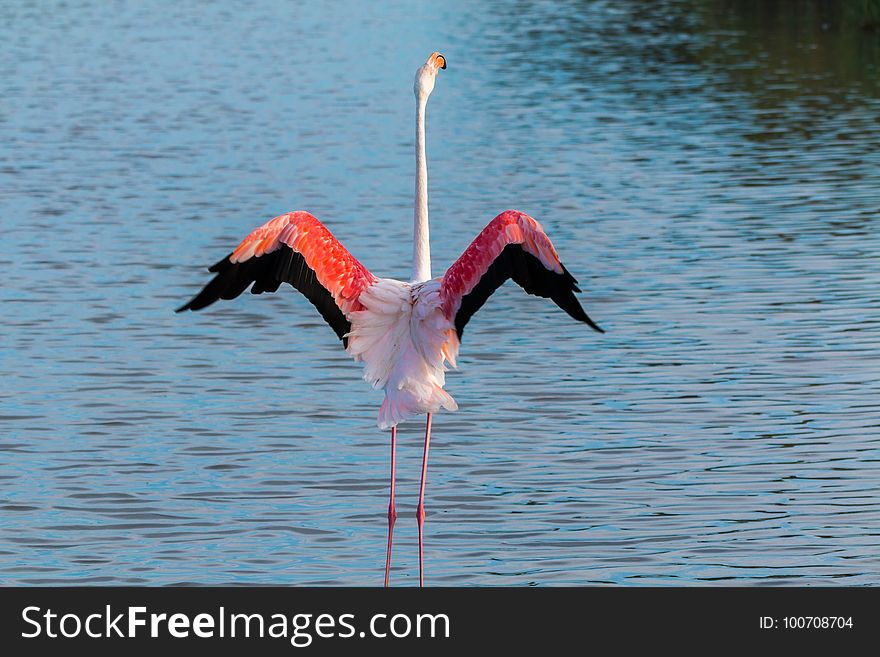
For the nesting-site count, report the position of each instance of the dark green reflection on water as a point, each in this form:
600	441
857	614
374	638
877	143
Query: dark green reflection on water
782	50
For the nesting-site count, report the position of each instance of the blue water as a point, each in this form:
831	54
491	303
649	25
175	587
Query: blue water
710	176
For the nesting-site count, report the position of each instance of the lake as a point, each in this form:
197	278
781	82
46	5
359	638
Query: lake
708	171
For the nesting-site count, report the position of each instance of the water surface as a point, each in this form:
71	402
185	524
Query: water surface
709	175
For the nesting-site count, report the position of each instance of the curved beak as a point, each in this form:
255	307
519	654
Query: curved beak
437	60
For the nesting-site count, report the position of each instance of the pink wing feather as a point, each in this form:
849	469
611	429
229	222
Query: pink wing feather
298	249
343	276
513	245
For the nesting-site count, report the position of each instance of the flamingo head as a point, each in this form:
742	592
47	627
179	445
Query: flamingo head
426	75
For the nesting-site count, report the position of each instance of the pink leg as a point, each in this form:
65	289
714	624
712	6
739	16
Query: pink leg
392	513
420	510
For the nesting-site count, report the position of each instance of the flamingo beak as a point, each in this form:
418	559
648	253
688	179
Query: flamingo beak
437	60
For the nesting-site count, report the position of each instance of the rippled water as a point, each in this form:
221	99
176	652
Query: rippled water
710	175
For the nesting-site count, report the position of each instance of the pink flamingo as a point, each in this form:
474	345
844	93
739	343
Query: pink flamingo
404	332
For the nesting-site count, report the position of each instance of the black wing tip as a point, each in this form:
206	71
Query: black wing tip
220	265
583	317
196	303
190	305
203	298
576	311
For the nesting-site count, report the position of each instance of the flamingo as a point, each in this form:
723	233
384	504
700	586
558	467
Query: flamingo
405	333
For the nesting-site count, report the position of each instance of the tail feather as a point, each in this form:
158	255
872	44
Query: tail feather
403	339
405	404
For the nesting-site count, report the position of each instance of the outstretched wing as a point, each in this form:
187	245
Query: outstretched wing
515	246
298	249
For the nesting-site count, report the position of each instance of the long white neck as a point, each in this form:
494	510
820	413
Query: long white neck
421	240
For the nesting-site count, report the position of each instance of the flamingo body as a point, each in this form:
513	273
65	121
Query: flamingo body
406	334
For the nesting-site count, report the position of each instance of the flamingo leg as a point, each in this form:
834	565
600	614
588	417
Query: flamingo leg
420	510
392	512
